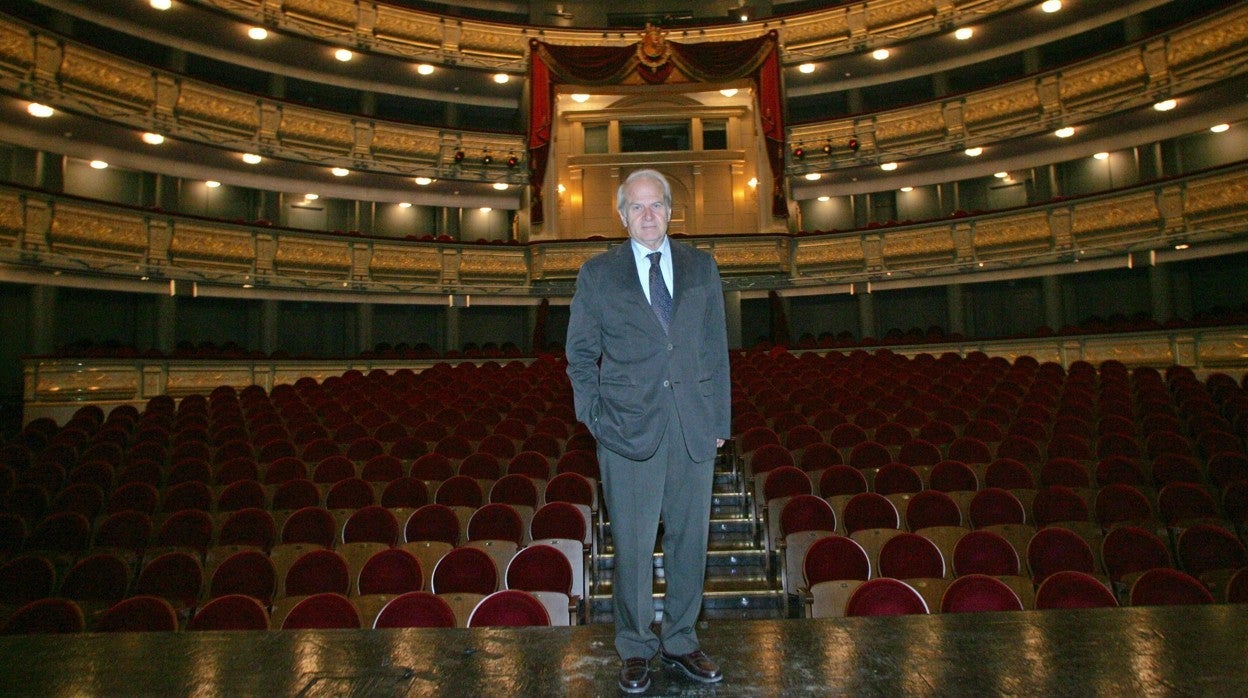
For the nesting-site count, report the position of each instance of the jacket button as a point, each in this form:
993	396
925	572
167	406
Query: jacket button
669	347
667	384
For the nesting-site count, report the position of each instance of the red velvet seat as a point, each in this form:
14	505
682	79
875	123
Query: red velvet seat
977	593
416	609
985	552
138	614
434	522
322	611
1069	590
247	572
883	596
390	571
1163	586
231	612
508	608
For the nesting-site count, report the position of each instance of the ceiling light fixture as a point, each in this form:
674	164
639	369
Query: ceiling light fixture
1051	6
888	166
813	176
580	97
212	184
1001	175
486	209
343	55
99	165
424	69
41	111
311	197
806	68
340	171
729	92
405	204
907	190
881	54
258	33
500	186
1182	246
964	33
502	78
161	4
1065	132
1220	128
825	198
153	138
424	181
252	158
1165	105
975	151
1101	156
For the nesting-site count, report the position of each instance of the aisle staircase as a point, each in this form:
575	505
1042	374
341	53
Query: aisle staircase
737	582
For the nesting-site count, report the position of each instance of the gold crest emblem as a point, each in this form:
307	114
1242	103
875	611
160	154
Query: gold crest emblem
653	50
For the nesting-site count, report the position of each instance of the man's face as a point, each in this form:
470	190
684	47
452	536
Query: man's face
645	214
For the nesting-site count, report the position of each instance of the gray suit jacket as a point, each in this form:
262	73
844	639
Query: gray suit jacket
621	362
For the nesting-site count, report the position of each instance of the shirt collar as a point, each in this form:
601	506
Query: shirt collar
640	251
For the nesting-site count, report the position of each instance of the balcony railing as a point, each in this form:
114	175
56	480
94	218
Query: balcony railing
57	387
44	233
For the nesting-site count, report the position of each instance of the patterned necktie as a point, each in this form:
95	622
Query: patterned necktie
660	299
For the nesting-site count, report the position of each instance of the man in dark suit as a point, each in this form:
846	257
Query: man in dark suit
648	358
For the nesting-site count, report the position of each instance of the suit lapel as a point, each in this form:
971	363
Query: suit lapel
680	274
629	283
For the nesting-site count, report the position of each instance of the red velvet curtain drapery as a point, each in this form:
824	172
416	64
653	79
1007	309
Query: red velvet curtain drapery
711	62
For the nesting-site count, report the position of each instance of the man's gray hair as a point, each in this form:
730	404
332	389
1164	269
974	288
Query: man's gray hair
621	200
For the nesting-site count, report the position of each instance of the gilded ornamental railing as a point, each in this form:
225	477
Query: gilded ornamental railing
45	232
64	73
411	33
1185	59
36	63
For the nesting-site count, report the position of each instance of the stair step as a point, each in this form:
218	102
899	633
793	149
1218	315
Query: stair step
716	603
737	581
727	556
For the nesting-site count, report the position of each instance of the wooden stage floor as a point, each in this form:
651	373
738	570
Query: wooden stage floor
1129	651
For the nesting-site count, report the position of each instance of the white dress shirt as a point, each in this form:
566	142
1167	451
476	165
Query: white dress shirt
643	265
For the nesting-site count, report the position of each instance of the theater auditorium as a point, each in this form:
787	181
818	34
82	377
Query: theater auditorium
285	285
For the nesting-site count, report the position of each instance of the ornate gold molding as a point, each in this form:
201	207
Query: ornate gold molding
1095	88
57	387
409	32
126	92
1208	207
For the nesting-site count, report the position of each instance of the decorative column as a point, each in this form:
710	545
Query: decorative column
866	315
955	295
732	317
450	338
43	319
166	323
1054	314
270	311
364	326
1160	290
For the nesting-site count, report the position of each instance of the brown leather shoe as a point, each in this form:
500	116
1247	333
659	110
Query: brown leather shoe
635	675
696	665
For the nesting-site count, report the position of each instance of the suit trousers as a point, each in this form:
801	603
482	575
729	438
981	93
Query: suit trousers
671	484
